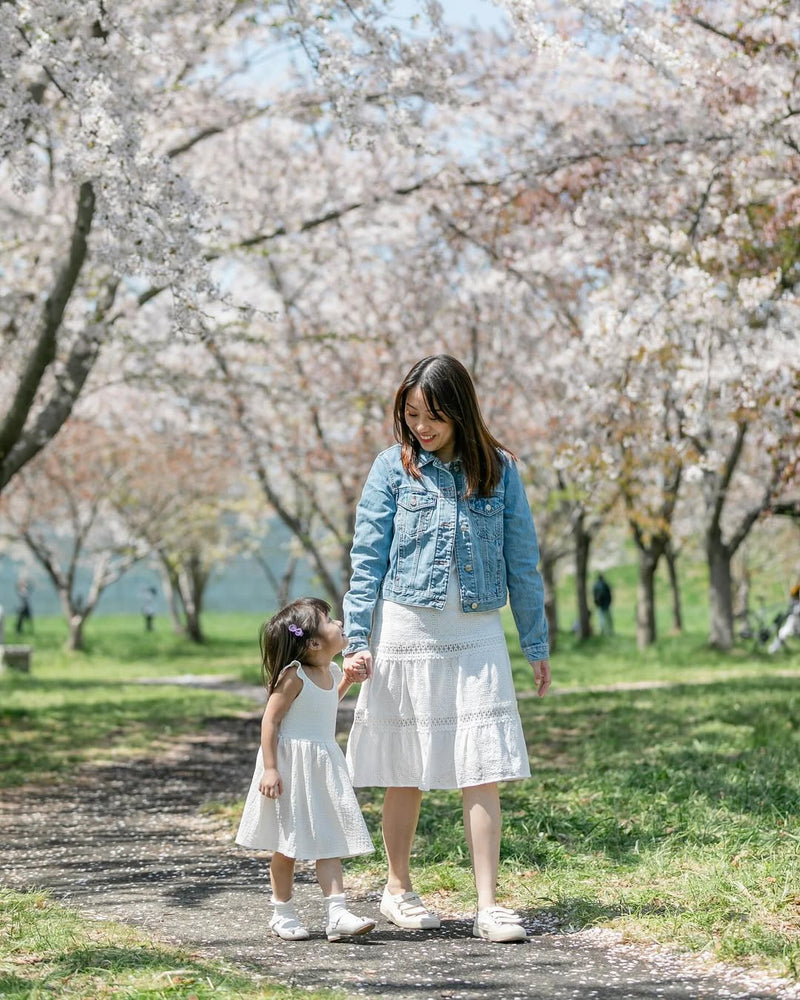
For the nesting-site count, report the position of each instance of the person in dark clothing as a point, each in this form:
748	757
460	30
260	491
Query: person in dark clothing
24	610
602	596
149	608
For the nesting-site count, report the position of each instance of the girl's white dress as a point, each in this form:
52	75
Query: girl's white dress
440	710
317	814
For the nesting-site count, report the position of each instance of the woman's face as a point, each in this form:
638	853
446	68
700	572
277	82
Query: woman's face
435	434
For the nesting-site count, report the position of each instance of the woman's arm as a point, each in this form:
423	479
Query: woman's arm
286	690
521	554
369	555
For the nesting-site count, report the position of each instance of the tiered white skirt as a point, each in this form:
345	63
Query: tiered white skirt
440	710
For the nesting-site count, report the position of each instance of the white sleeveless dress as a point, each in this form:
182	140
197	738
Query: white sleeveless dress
440	710
317	814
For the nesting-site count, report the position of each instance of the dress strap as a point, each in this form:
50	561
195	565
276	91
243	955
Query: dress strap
294	663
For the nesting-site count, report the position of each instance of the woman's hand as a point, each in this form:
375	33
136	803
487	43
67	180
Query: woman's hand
357	667
541	675
270	785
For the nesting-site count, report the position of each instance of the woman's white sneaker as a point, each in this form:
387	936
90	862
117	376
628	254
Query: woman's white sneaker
407	910
496	923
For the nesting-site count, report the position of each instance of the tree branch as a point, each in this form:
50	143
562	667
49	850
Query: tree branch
44	351
77	368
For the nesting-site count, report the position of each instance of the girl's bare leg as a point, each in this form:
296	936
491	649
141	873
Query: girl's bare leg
400	816
281	875
482	821
329	876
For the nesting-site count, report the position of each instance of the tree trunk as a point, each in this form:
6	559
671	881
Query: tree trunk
75	638
583	543
720	594
550	599
170	586
675	590
192	579
646	598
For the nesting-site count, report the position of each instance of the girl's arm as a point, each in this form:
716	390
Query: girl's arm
286	690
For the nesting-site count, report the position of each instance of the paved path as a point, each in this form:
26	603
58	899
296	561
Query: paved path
127	840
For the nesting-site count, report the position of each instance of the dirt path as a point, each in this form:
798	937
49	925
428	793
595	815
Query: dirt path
127	840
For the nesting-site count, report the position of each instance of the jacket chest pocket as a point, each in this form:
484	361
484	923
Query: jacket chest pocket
416	510
486	517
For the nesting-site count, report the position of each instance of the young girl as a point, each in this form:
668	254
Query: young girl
443	538
301	803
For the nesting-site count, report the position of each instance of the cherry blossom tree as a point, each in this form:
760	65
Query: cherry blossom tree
58	507
176	491
102	108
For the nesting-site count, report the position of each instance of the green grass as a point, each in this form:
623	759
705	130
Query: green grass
47	950
74	706
668	813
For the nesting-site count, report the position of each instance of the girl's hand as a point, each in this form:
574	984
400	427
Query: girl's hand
357	667
541	675
270	785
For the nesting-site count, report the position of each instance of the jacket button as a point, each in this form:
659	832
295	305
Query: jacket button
468	568
488	506
474	606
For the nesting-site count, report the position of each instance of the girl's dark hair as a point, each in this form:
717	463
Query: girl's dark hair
448	391
285	637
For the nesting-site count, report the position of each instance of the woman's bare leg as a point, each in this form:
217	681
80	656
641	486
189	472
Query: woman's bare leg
400	816
482	822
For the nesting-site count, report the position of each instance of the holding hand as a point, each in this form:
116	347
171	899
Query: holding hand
270	785
541	675
357	667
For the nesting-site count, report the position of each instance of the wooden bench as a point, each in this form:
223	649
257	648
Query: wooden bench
16	658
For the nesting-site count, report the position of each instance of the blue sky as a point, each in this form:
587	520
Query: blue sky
484	13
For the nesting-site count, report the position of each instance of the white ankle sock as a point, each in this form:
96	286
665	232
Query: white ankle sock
335	904
285	909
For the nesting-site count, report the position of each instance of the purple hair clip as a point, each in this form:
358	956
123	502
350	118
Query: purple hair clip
295	630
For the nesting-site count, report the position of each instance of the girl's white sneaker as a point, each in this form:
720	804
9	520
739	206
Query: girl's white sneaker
288	927
347	924
496	923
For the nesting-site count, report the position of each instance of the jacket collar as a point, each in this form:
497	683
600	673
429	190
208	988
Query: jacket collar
426	457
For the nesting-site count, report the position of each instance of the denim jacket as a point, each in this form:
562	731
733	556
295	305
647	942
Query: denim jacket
405	533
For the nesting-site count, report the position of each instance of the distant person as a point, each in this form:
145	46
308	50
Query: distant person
301	803
790	625
602	597
24	608
149	608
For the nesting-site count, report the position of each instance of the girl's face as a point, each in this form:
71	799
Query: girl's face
331	637
435	434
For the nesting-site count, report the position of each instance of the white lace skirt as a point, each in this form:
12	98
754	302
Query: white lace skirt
440	710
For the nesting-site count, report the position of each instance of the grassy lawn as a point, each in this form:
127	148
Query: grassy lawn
50	951
668	813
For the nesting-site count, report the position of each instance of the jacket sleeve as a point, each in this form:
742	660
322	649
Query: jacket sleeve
369	555
521	554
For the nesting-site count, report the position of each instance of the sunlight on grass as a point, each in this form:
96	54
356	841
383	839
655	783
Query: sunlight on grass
668	813
49	950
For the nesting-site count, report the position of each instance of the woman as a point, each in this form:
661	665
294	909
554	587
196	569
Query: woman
443	538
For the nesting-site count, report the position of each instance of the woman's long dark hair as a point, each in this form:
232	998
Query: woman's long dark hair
448	391
285	637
